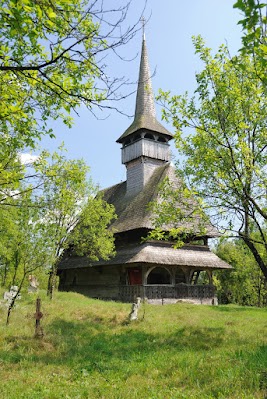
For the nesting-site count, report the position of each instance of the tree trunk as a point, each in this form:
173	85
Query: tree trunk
16	266
256	255
13	300
248	241
14	276
10	307
51	282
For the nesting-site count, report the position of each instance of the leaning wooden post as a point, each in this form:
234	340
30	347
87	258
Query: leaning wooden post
38	315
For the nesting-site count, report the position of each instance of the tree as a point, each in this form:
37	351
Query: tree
72	212
52	60
11	171
40	224
92	228
254	27
178	215
25	247
8	230
225	156
245	284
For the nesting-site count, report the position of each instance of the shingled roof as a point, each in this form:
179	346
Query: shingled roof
145	113
155	253
145	122
133	212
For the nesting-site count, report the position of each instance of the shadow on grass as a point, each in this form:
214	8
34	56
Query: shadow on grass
92	343
106	346
237	308
99	338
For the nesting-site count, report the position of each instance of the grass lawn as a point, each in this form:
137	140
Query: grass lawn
89	351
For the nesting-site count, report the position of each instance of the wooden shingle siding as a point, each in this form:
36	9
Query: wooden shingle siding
132	209
147	148
139	173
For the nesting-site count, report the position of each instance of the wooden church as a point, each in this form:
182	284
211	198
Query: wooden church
149	269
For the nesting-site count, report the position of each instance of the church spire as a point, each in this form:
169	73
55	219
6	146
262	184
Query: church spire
145	113
145	144
145	97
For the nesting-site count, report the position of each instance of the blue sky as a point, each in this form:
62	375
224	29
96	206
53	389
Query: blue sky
169	30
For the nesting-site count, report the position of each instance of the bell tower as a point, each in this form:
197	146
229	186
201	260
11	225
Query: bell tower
145	143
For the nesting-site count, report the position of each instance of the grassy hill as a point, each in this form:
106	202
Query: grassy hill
89	351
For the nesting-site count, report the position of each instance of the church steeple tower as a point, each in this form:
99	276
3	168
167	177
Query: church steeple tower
145	97
145	143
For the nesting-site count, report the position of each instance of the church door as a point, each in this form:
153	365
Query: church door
135	276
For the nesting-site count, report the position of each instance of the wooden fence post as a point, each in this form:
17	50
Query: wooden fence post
38	315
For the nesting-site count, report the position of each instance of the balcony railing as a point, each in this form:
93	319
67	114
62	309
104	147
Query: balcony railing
128	293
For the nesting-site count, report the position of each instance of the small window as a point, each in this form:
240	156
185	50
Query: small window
137	137
127	142
162	139
149	136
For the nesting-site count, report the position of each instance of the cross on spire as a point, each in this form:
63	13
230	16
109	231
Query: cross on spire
143	22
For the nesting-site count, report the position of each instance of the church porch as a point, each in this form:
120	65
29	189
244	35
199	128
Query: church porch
167	284
169	294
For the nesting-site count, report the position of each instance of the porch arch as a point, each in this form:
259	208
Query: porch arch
180	276
201	277
158	275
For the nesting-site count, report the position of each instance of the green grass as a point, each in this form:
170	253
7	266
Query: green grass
89	351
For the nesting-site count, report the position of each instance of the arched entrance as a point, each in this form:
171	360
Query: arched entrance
201	277
158	276
180	277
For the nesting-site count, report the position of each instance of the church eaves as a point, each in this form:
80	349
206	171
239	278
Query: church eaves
145	113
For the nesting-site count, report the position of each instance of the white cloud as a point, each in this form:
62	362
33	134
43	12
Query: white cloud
27	158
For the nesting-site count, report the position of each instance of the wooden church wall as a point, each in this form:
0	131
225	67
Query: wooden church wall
96	282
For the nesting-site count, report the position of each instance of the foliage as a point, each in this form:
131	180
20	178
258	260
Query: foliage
37	225
178	351
225	156
72	213
51	62
11	170
63	195
254	26
25	243
92	228
177	215
245	285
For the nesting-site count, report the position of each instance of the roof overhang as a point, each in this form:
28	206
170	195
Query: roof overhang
155	254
